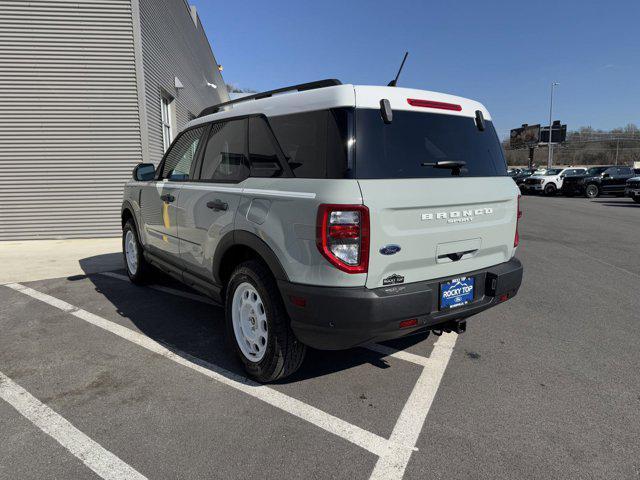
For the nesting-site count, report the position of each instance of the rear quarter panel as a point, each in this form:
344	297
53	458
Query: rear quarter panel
283	212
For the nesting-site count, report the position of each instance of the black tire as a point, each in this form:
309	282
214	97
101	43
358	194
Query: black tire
592	191
636	199
141	273
550	189
284	353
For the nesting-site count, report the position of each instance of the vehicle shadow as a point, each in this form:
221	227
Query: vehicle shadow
618	203
196	330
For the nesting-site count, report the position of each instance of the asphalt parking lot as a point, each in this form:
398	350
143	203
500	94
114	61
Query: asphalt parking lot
134	382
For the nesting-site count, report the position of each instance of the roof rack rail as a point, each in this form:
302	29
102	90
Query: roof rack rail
330	82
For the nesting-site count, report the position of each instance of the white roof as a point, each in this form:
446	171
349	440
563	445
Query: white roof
359	96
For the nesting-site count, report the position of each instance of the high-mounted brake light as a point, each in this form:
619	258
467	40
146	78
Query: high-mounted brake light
342	236
516	240
414	102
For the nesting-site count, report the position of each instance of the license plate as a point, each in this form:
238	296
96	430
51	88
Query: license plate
456	292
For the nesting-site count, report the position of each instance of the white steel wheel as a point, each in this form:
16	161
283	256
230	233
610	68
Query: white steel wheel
249	319
131	252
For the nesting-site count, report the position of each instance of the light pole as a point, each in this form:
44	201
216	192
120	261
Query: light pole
550	158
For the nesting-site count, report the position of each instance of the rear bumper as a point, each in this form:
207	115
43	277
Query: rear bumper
335	318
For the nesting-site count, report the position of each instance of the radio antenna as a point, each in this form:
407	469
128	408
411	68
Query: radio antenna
394	82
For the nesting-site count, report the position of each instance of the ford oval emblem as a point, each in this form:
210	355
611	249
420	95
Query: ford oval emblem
390	249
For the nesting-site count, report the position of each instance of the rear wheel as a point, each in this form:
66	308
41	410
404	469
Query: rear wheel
134	261
550	189
592	191
258	327
636	199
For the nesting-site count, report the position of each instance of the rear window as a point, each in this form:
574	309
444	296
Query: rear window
398	149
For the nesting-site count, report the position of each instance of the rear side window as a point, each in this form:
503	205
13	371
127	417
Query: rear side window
177	163
315	143
398	149
263	158
225	158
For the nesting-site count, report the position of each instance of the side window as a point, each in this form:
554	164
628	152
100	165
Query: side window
225	157
624	171
611	171
263	159
178	160
315	143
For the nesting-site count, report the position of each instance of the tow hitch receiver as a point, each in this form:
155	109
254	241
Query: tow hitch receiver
452	326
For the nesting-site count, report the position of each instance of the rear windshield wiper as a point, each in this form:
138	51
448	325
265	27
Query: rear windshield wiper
454	165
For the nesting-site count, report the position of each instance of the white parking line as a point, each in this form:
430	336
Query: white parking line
399	354
354	434
411	420
383	349
394	453
101	461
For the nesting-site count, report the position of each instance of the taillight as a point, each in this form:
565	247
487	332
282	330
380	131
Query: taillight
342	236
415	102
516	240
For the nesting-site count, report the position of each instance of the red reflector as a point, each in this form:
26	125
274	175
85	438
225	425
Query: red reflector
503	298
433	104
344	231
409	323
298	301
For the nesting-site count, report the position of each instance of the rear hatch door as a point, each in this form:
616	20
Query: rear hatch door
445	221
444	227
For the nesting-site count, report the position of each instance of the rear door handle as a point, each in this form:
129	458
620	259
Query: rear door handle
217	205
167	197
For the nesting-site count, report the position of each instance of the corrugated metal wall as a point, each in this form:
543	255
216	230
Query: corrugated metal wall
173	46
69	122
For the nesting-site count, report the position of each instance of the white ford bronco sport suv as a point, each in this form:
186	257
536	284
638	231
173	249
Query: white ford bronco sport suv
330	216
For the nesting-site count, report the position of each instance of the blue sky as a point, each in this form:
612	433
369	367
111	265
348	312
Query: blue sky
504	54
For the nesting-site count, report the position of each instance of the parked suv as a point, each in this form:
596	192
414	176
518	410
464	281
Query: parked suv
331	217
521	177
550	181
632	189
598	181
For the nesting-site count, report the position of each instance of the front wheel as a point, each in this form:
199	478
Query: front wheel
136	264
550	189
636	199
258	326
592	191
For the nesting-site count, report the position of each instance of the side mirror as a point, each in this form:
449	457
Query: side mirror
561	176
605	175
144	172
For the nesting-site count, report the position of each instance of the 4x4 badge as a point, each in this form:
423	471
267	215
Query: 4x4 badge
393	280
